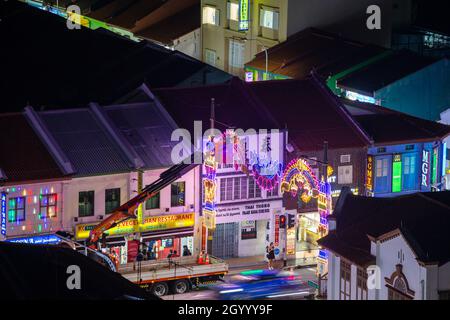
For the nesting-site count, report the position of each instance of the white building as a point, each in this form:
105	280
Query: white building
389	249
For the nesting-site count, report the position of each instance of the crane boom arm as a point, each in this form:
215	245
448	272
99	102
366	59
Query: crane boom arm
127	210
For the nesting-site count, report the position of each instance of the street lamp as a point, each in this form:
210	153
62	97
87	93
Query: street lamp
266	53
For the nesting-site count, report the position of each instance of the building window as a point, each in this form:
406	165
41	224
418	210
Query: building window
345	174
345	281
361	286
253	189
273	192
153	202
210	57
268	18
86	203
233	11
233	188
382	174
16	209
178	194
396	295
112	199
47	205
211	16
236	54
410	171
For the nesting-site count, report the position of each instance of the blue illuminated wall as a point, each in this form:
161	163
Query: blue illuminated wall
408	168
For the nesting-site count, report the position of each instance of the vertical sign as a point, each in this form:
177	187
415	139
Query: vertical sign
209	185
434	167
397	173
369	170
244	12
3	213
277	231
140	185
290	242
425	168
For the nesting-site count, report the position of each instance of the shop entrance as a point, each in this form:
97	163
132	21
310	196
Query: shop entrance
226	240
307	236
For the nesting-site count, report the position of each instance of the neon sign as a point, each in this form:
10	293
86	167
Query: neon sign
244	13
397	173
369	173
45	239
3	213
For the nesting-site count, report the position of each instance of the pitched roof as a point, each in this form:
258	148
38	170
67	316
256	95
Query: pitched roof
234	107
307	108
310	112
174	26
313	49
384	72
422	218
82	66
388	126
85	142
23	157
147	130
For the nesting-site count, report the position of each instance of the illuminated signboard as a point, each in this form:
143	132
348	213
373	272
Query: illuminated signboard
425	168
210	184
434	166
244	13
290	241
3	213
148	224
397	173
45	239
369	170
249	76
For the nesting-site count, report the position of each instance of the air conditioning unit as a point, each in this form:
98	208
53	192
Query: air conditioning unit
345	158
100	217
75	219
167	209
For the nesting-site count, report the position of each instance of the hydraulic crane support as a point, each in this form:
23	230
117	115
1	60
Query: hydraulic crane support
127	210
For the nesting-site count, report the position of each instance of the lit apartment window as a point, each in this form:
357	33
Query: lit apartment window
210	16
210	57
236	54
47	206
233	11
178	194
269	18
16	209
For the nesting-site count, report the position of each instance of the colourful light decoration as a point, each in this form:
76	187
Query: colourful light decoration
266	173
209	184
299	175
3	213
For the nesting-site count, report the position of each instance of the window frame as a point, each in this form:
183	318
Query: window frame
148	201
48	206
16	209
345	277
411	176
376	179
172	202
262	12
79	203
216	17
106	200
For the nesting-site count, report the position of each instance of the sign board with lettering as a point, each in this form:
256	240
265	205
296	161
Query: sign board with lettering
3	213
155	223
244	15
245	212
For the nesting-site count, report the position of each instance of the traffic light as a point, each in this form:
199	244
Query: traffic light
291	221
283	222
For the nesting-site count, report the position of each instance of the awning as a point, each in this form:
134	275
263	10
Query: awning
179	232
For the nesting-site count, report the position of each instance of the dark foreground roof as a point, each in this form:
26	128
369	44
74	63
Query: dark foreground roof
50	65
314	49
23	157
423	219
384	72
40	272
388	126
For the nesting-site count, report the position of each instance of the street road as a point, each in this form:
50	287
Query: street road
207	294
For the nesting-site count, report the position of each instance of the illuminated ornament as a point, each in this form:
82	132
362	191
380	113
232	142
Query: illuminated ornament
299	175
330	170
